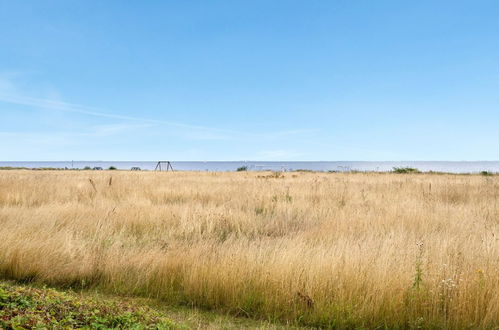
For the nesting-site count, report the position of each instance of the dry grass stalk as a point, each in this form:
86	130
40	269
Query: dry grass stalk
347	243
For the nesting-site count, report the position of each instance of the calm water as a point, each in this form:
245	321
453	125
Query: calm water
453	167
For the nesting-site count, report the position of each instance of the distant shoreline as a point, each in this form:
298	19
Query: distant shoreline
282	166
393	171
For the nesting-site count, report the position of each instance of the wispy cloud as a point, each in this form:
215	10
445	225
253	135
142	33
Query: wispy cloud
68	137
85	110
196	131
11	94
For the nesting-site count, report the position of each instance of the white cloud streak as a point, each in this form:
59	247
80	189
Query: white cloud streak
85	110
195	130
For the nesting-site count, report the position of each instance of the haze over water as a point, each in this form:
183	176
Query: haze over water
341	166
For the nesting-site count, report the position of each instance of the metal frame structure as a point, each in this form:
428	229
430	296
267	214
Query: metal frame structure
160	166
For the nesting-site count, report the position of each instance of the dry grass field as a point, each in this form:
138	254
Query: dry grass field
322	249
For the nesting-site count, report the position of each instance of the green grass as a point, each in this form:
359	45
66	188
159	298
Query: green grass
28	306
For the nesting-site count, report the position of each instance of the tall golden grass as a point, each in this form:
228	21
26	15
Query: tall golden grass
325	249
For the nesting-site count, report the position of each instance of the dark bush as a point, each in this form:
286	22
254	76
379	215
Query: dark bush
405	170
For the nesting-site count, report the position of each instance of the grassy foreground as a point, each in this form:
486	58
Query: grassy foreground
322	249
24	306
27	307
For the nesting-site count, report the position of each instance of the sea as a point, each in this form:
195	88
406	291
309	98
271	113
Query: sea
222	166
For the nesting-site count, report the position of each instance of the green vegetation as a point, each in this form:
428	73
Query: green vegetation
486	173
87	168
112	168
404	170
27	307
242	169
13	168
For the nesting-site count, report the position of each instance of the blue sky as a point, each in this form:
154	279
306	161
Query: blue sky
249	80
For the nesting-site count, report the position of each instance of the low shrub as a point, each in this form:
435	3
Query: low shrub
404	170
